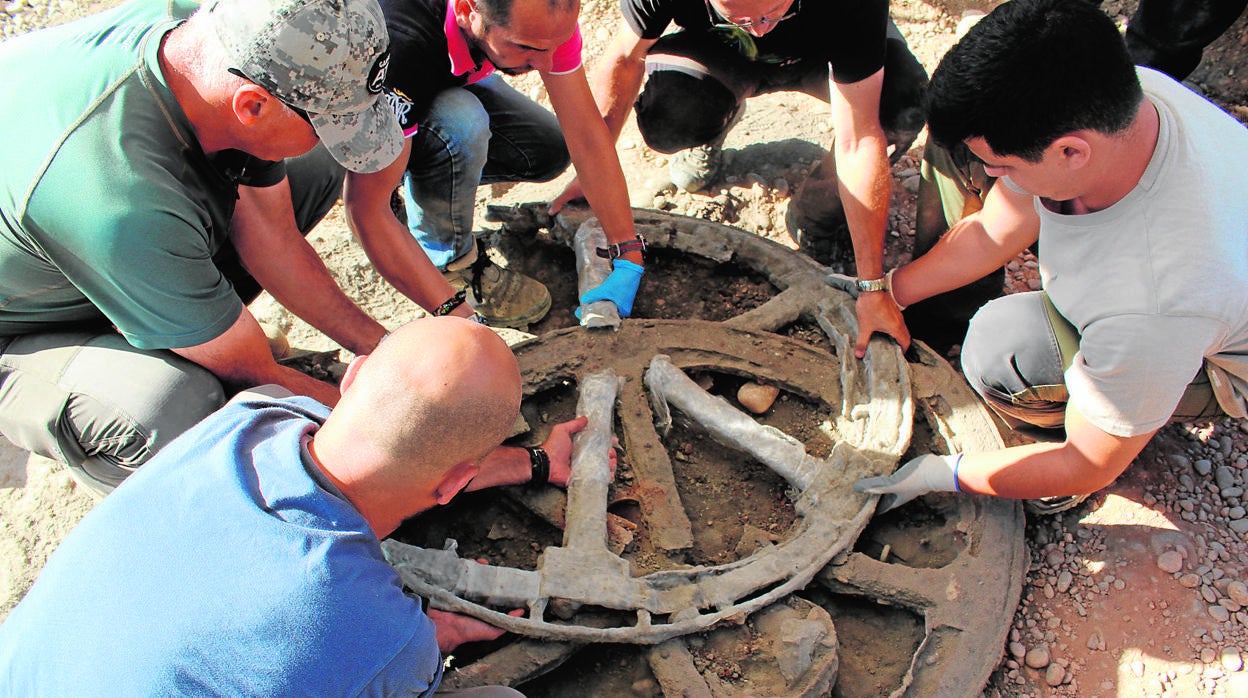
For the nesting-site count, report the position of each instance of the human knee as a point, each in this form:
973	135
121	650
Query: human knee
315	186
1011	359
901	96
461	125
676	111
98	404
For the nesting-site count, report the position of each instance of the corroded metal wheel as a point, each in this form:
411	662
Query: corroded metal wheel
582	592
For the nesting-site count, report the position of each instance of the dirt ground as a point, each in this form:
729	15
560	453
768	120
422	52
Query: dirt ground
1100	617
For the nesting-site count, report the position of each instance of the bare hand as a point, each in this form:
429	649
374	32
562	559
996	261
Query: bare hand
559	447
571	193
454	629
877	312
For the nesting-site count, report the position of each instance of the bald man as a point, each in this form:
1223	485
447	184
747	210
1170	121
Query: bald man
245	558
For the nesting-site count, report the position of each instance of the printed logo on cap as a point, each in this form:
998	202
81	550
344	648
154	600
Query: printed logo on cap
377	76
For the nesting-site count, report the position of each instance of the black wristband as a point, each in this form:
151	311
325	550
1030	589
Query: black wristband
539	461
615	250
451	303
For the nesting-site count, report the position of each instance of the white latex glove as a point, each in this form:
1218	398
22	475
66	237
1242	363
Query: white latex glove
927	473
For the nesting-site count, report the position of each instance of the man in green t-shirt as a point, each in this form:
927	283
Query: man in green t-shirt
144	200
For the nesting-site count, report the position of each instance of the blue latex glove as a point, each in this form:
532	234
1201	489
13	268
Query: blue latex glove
619	288
927	473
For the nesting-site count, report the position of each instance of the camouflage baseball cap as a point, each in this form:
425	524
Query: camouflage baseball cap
325	57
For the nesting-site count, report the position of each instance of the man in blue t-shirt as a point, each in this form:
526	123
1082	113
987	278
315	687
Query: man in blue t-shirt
244	559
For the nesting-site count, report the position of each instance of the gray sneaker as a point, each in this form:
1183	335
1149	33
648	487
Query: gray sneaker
504	298
693	169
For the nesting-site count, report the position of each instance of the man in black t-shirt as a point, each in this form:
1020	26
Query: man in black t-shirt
726	51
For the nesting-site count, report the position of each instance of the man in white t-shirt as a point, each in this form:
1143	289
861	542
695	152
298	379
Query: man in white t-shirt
1134	187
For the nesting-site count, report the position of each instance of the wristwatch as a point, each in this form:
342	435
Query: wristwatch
872	285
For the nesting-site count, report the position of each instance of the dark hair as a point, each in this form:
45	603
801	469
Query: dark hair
498	12
1031	72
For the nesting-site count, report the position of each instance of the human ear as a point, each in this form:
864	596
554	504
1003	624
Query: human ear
249	103
463	10
353	369
455	480
1074	150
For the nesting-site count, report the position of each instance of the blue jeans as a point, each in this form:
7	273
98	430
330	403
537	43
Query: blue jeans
477	134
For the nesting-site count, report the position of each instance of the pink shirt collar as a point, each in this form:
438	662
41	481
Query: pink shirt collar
457	50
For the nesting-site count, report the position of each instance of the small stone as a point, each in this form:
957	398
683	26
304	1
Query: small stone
1204	466
1219	614
1207	655
1017	650
1232	660
1055	675
757	398
1224	476
1238	592
1137	668
1170	561
1064	580
1239	526
1208	593
1038	657
644	687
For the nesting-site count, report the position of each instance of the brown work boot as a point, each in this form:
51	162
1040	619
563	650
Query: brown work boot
816	221
504	298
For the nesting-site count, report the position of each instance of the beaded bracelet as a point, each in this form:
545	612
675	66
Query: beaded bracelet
451	303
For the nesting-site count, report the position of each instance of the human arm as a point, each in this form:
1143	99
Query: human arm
972	248
509	465
1088	460
455	629
598	168
273	251
396	255
240	358
859	155
616	83
592	148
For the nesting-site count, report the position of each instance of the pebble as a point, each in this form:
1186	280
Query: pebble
1204	466
1038	657
1238	592
1055	675
1064	581
757	398
1207	655
1219	614
1170	561
1137	668
1190	581
1224	476
1232	660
